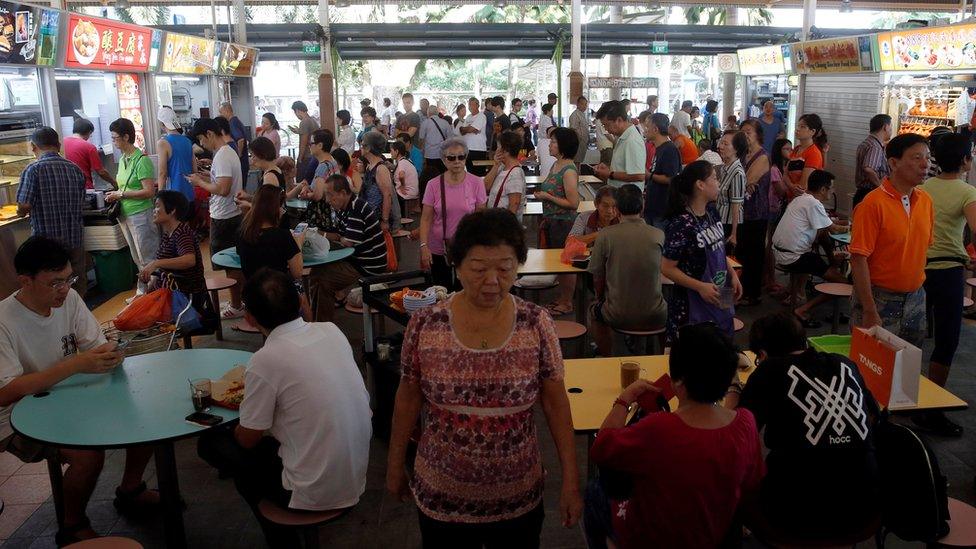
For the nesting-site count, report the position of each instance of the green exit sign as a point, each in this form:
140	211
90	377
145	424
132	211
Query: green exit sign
659	46
311	47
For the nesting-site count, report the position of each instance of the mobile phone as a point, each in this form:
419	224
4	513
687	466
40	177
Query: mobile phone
301	228
204	419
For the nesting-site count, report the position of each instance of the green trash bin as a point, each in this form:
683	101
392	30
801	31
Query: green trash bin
114	271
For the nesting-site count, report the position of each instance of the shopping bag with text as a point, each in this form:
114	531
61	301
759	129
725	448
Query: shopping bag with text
889	365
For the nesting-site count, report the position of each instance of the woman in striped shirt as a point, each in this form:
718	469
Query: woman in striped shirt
733	147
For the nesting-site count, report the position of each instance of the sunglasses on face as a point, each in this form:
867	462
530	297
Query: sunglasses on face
458	158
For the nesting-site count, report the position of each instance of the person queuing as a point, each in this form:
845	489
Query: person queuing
225	182
450	197
346	140
579	122
666	164
682	119
358	227
871	165
681	494
546	159
891	233
410	121
686	146
804	225
405	177
46	304
137	187
773	125
479	376
176	158
318	213
433	131
387	117
711	125
706	285
626	268
559	194
270	129
304	433
505	181
83	154
475	133
807	155
516	109
306	125
377	181
368	116
488	109
532	119
806	468
415	154
751	237
502	122
780	157
239	134
546	121
627	162
733	148
55	206
696	125
460	113
954	202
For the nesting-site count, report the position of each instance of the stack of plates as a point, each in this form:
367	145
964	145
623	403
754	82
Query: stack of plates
413	304
104	238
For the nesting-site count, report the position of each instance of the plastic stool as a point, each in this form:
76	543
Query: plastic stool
111	542
653	339
962	525
567	330
522	290
214	285
837	290
306	521
737	324
966	302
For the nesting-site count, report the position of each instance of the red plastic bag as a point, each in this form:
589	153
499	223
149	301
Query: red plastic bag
146	310
392	265
575	248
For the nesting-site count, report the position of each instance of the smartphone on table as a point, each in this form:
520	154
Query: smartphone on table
204	419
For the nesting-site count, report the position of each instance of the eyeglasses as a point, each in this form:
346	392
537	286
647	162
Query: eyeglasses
458	158
62	284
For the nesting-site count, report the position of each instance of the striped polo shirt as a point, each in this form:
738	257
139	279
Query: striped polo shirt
359	223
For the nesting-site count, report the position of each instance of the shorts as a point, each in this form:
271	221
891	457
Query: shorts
27	450
224	233
808	263
902	313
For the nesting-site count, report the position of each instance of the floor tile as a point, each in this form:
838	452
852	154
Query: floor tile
13	516
25	489
9	464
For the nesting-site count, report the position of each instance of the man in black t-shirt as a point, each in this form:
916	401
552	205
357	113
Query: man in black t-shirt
667	164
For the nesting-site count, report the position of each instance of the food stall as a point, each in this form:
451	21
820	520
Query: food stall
766	69
235	68
927	77
185	77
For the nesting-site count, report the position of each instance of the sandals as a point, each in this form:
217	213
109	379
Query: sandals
68	535
559	309
128	504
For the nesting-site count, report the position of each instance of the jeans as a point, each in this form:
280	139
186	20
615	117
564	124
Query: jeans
944	290
518	533
142	236
750	250
902	313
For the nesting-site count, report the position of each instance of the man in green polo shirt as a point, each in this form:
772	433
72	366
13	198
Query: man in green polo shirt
627	165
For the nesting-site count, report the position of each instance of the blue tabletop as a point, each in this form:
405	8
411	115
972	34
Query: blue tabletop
229	259
143	401
843	238
297	203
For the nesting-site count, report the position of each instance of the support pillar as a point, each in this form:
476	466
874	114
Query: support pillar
616	60
728	79
809	19
575	76
327	110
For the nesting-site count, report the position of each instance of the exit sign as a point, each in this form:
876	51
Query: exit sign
659	46
311	47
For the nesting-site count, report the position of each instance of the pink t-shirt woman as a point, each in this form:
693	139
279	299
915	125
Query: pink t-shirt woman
405	179
461	200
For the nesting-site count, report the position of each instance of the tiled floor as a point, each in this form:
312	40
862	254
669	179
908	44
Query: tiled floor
217	517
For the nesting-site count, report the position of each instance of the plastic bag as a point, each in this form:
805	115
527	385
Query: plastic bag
316	243
191	318
146	310
391	258
575	248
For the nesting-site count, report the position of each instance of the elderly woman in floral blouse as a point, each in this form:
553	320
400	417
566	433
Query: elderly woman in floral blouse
477	364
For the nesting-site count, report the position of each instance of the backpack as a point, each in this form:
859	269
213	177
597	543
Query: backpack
915	506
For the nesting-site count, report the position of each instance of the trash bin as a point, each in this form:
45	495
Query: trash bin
114	271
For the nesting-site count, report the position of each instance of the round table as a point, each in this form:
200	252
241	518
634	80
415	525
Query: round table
229	259
296	203
142	402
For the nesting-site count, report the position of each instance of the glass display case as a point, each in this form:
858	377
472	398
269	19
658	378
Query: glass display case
20	114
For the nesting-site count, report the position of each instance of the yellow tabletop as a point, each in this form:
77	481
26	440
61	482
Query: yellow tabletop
538	179
594	383
585	206
589	179
534	180
541	262
483	163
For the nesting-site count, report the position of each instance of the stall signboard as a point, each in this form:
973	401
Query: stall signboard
846	54
49	36
106	45
762	60
186	54
928	49
18	33
155	47
621	82
130	103
236	60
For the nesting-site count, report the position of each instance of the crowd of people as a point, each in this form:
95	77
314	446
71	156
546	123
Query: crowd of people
681	203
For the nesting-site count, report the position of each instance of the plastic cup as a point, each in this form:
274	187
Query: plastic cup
629	373
201	394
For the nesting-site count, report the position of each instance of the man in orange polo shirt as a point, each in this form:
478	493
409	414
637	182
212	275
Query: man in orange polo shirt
889	264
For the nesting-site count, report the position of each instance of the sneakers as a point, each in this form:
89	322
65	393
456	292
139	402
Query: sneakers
937	423
229	312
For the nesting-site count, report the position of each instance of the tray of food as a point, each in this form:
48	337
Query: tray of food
228	391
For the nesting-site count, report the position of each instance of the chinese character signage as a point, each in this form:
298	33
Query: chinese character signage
847	54
236	60
50	34
18	33
185	54
762	60
130	105
621	82
107	45
928	49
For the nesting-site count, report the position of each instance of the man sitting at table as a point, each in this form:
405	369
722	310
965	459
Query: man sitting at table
626	268
804	224
358	228
48	335
304	391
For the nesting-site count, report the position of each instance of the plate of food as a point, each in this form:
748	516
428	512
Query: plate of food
84	41
228	391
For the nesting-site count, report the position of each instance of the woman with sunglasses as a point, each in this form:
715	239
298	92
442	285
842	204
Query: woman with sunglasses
560	198
820	484
447	199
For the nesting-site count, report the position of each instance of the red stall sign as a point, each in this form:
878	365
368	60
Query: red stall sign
108	45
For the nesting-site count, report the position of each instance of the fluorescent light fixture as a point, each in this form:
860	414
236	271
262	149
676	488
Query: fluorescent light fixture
493	43
403	43
184	79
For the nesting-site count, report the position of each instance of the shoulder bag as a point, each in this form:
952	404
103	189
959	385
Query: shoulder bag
447	241
115	210
501	189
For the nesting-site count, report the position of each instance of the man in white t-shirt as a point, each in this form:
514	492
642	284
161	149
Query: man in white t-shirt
804	224
224	184
303	439
47	335
475	133
682	119
387	117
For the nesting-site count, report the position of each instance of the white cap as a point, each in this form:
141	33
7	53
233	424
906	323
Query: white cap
167	116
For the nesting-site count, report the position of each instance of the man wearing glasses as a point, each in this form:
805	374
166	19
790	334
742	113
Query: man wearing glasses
55	206
71	343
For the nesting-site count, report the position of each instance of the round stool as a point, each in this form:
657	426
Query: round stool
307	522
653	339
837	290
971	282
111	542
406	221
737	324
357	310
962	525
214	285
522	289
966	302
567	330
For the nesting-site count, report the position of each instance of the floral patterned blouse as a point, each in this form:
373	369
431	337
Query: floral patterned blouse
478	458
554	186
